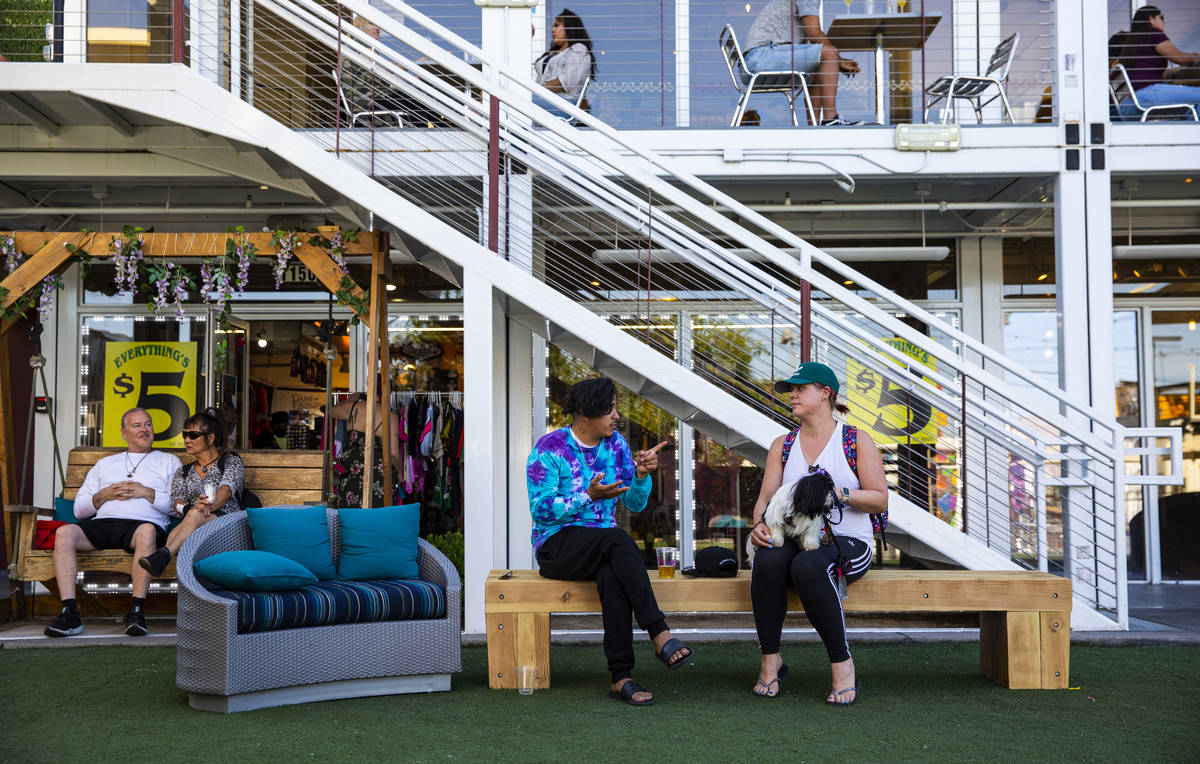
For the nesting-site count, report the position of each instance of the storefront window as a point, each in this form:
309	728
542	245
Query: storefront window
426	353
150	362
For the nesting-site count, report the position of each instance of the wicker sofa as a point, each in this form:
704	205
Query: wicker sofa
225	671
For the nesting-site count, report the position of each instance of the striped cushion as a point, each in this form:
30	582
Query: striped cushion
333	602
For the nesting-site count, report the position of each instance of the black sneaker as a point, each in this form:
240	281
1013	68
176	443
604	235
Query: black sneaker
65	624
156	562
135	624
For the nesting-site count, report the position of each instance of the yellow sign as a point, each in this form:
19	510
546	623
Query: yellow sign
886	412
159	377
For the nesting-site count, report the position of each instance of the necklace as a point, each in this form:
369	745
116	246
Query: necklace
595	450
130	470
204	468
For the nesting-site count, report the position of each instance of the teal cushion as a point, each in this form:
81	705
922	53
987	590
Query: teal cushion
379	543
64	510
300	534
247	570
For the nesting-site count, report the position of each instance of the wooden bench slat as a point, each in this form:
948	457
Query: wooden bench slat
1024	627
887	591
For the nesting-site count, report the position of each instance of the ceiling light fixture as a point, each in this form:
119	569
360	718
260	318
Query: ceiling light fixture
1155	251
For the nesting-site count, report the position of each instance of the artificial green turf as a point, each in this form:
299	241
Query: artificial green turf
919	702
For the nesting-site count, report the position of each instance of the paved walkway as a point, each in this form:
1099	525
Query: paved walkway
1164	613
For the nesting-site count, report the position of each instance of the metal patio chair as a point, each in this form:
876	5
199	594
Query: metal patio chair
355	116
1120	87
747	83
972	87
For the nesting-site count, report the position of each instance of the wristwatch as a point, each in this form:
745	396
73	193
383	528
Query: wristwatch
845	494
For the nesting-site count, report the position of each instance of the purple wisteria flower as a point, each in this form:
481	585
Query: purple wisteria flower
12	258
45	305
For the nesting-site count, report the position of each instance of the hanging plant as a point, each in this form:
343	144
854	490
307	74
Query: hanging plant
285	243
45	296
216	289
81	255
345	297
335	246
239	255
12	258
128	259
171	284
40	296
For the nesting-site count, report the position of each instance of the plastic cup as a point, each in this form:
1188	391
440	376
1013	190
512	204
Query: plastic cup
210	492
667	556
526	679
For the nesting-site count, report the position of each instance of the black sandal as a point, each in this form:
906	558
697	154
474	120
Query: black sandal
671	647
783	672
627	691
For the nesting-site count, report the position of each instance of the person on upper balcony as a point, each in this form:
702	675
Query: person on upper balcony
568	63
1147	53
787	37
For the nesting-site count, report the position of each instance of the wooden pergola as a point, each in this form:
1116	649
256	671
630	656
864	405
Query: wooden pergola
52	254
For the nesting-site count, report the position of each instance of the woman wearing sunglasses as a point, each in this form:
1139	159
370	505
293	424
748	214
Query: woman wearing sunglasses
206	488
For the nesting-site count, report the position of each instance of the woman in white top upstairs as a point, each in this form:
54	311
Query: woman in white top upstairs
568	62
812	391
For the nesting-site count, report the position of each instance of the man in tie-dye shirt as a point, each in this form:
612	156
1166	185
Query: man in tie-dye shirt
575	476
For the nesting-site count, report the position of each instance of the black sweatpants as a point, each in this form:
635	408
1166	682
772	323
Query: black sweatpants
812	573
609	557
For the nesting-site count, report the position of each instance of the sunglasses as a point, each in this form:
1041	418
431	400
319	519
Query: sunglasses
193	434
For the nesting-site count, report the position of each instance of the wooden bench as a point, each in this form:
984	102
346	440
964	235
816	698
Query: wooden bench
276	477
1024	616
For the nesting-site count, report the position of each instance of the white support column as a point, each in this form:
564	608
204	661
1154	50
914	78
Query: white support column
484	464
204	23
683	65
521	415
74	31
685	456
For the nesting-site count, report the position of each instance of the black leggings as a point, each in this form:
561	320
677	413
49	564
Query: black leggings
609	557
813	576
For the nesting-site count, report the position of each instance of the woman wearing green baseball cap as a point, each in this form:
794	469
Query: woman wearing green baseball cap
820	442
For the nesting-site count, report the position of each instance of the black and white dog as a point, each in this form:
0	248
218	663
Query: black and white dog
798	510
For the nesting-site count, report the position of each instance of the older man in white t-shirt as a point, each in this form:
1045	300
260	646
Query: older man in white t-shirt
124	503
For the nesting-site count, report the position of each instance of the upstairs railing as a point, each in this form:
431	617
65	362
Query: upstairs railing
658	63
1004	457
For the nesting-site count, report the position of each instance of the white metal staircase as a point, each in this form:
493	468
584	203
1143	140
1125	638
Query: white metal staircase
587	225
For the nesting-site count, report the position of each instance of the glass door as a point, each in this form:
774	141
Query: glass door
1170	530
230	376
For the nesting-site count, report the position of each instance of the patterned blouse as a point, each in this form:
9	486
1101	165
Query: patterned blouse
558	474
187	485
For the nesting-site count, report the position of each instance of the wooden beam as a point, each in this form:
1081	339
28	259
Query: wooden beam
50	255
372	392
381	269
181	245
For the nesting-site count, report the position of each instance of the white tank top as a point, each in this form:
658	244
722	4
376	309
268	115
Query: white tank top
832	459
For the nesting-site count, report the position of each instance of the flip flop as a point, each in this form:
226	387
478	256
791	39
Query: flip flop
671	647
836	693
783	671
627	691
